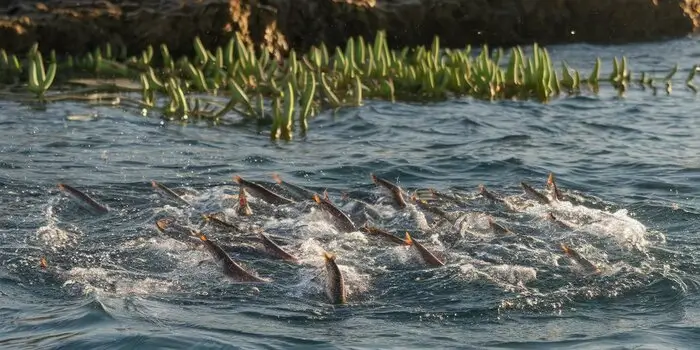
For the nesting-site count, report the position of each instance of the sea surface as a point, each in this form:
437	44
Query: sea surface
629	166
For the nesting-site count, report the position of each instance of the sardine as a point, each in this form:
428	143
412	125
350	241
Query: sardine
395	190
534	193
431	208
83	198
498	228
168	192
172	229
553	189
221	223
488	195
427	256
585	263
230	267
335	283
262	192
376	231
299	192
556	220
340	219
273	249
243	206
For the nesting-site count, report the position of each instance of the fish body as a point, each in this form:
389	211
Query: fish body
83	198
170	193
262	192
534	193
489	195
243	206
585	263
372	230
172	229
340	219
221	223
431	208
498	228
299	192
428	257
273	249
395	190
553	189
230	267
335	283
556	220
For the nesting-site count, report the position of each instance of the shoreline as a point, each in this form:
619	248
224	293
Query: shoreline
277	26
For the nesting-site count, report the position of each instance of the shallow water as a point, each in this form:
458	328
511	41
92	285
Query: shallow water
115	281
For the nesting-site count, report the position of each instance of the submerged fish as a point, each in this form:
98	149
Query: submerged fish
172	229
273	249
221	223
553	189
488	195
262	192
340	219
335	284
498	228
452	197
243	207
431	208
372	230
427	256
83	198
556	220
299	192
395	190
170	193
231	269
534	193
585	263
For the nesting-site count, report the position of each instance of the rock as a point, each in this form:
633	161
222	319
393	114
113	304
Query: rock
278	25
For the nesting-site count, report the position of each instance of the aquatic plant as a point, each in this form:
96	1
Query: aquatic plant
281	93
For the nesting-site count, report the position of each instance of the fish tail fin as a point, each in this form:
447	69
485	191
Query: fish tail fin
42	263
329	256
277	178
316	198
202	236
408	239
154	184
550	179
566	249
237	179
61	186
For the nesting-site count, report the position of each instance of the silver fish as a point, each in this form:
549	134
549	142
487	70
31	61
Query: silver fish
170	193
428	257
83	198
262	192
395	190
230	267
335	283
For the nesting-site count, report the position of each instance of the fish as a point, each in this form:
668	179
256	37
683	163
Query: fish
488	195
553	189
427	256
335	283
83	198
273	249
231	268
585	263
43	264
340	219
431	208
243	207
451	197
170	193
298	191
376	231
262	192
498	228
534	193
395	190
221	223
172	229
556	220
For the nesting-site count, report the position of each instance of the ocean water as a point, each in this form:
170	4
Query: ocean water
629	164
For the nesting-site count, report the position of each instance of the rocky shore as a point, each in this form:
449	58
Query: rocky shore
277	25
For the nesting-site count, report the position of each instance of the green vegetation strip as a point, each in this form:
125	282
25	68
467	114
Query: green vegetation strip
279	93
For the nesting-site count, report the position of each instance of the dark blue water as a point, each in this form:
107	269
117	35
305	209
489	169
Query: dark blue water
115	281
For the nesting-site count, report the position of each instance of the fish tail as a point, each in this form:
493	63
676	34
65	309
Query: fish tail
42	263
154	184
202	236
61	187
329	256
237	179
277	178
566	249
317	198
550	179
408	239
